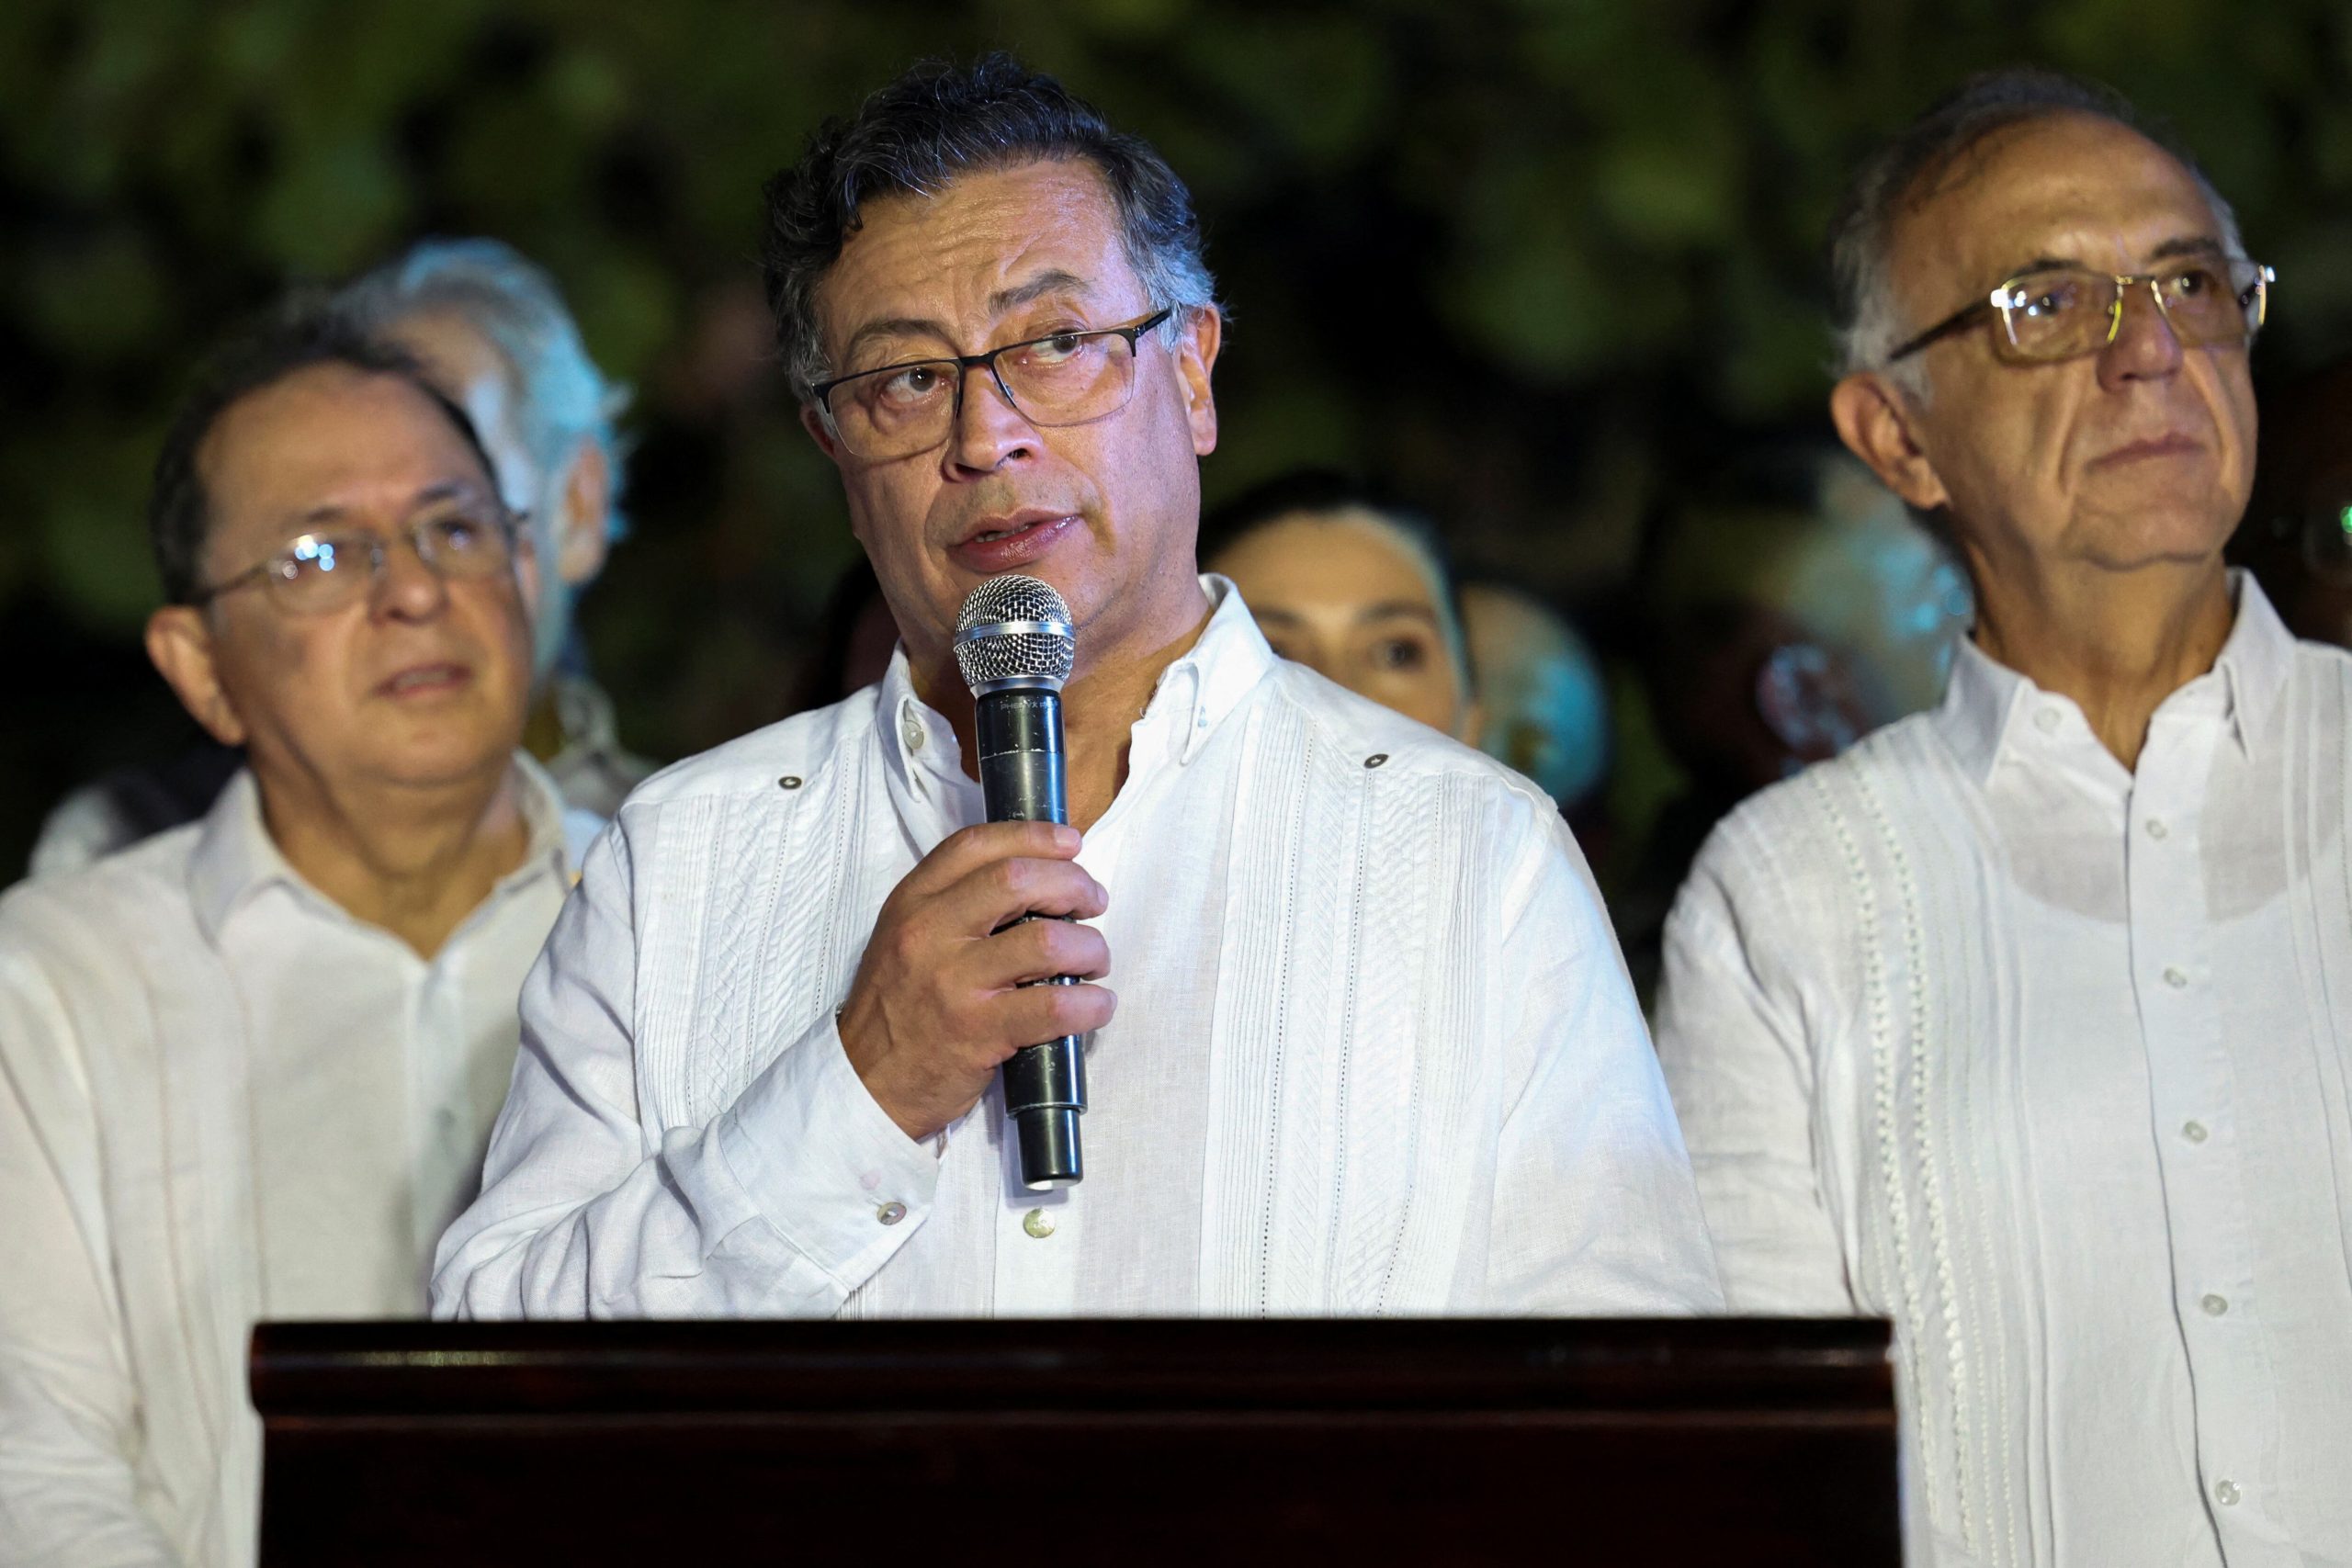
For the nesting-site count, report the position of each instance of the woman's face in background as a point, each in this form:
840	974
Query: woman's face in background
1357	601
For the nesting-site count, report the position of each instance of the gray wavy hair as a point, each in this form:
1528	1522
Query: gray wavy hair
1867	318
934	123
560	396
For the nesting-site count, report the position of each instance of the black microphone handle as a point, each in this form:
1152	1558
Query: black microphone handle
1022	780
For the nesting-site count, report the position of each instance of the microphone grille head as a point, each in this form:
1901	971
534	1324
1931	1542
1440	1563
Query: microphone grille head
1014	628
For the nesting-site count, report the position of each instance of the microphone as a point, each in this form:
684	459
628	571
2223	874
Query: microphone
1014	646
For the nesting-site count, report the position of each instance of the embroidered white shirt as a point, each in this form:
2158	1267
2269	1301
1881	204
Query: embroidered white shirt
1375	1051
221	1099
2048	1060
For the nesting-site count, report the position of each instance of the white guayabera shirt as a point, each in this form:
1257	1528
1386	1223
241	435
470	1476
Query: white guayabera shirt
1375	1051
2048	1061
221	1099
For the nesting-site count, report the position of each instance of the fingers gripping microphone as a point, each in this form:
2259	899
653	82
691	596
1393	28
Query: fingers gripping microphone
1014	646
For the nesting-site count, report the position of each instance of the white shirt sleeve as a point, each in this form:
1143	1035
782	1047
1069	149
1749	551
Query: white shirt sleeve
780	1207
1741	1069
1595	1212
69	1416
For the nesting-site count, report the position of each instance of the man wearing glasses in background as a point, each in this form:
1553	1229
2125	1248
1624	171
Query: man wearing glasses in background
1374	1050
247	1067
2027	1023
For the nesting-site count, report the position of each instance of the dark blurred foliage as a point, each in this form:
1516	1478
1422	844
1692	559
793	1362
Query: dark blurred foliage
1530	261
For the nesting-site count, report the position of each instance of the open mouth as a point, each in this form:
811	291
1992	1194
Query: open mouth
1014	542
425	680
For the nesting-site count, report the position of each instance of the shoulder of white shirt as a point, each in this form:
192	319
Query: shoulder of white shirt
799	747
132	885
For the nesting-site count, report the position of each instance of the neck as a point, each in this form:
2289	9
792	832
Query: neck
2117	643
415	861
1105	697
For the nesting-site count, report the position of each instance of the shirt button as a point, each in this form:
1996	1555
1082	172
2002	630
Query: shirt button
2157	829
2226	1492
2193	1131
2176	978
2046	720
914	732
1037	1223
890	1214
2215	1305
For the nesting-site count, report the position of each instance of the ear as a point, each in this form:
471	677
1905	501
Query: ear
583	530
814	423
1196	350
1879	422
179	643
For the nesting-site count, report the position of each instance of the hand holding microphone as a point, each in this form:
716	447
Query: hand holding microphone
962	974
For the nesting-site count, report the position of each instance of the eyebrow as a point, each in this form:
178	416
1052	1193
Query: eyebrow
1389	609
1053	280
444	491
2182	245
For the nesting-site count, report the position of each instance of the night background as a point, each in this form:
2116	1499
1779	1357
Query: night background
1552	269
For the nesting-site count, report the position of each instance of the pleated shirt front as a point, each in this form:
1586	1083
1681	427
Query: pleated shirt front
1374	1052
2047	1060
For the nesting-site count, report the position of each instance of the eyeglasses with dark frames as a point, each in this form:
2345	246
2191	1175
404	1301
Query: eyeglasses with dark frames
1062	379
2053	314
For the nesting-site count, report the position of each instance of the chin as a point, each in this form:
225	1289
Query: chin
435	762
2150	530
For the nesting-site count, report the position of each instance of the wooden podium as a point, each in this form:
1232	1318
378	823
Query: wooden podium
1067	1445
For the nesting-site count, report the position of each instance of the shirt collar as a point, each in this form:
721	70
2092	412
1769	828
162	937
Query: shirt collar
1222	668
1200	689
1986	701
2256	661
235	859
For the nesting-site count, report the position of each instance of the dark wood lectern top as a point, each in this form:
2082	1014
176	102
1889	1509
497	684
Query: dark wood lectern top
1136	1442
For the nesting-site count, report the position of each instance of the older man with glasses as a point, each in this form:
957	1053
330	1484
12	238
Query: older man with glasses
1374	1050
492	329
248	1066
2027	1023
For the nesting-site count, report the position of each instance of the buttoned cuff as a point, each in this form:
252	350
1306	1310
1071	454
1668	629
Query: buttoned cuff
824	1162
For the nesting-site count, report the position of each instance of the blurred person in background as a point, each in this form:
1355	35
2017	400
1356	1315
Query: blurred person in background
851	646
2297	536
1788	609
998	318
492	329
2022	1022
248	1066
1543	699
1352	585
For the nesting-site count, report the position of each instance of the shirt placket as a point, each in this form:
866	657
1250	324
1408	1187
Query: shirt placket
433	1052
1039	1235
2196	1129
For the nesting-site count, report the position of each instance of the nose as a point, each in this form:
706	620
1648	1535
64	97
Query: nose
405	588
2145	343
988	431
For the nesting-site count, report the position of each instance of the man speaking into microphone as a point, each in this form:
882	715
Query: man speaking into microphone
1372	1048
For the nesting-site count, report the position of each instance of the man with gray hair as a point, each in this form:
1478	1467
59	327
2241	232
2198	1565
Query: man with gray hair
1374	1050
493	330
2025	1022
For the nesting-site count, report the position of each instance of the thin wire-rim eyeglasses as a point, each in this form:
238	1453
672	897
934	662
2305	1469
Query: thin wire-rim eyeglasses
2250	282
280	572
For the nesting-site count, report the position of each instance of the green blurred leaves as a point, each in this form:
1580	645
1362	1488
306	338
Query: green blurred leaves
1521	249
